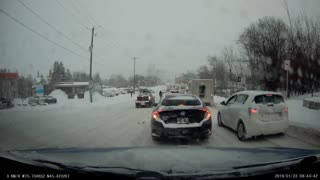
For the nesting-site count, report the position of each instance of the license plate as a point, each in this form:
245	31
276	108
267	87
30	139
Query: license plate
142	103
182	120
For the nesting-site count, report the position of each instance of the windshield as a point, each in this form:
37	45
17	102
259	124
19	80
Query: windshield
160	73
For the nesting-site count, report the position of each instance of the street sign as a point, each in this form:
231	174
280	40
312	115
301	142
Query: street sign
286	65
39	90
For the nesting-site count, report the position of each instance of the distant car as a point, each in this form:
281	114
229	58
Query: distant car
181	116
145	91
38	100
107	93
42	101
50	100
130	90
115	92
254	113
34	100
145	99
174	91
5	103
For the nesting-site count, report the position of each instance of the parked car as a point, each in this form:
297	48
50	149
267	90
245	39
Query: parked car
5	103
115	92
37	100
42	101
181	116
144	90
34	100
174	91
107	93
145	99
50	100
254	113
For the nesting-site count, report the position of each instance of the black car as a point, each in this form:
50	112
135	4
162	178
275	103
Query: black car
50	100
5	103
181	116
145	99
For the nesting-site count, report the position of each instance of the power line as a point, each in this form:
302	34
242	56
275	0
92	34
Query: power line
59	32
79	12
72	14
87	12
40	35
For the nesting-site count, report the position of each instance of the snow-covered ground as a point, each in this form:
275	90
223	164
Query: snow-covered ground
298	115
107	122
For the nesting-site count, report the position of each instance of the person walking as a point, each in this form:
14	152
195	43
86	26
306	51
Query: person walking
160	94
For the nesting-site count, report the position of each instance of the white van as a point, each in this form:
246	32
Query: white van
203	88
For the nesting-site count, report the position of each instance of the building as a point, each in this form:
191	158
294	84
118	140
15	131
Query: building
8	85
73	88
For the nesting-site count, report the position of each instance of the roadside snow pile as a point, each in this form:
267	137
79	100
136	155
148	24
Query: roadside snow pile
301	97
218	99
314	99
59	94
302	116
96	96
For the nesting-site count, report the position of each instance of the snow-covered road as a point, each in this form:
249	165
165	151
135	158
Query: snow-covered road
109	125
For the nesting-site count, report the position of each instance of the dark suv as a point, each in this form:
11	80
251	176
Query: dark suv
145	99
181	116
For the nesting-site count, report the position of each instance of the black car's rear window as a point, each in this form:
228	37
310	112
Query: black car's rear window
175	101
268	98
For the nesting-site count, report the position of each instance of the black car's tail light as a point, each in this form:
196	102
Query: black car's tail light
207	115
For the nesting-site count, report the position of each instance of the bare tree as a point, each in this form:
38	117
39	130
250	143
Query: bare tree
265	43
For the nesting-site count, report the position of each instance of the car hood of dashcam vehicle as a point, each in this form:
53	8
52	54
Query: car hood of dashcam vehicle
182	160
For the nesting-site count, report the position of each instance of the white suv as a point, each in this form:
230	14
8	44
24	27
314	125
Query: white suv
253	113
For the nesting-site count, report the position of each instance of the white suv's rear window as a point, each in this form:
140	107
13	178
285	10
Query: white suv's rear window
268	98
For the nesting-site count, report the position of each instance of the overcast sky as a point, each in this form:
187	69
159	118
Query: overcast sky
170	35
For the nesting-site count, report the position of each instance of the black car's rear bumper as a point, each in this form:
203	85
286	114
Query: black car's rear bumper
158	130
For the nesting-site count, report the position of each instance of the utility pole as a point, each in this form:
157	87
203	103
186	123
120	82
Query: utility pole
287	68
91	51
134	74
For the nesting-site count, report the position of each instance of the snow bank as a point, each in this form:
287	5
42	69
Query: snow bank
301	97
314	99
302	116
218	99
60	95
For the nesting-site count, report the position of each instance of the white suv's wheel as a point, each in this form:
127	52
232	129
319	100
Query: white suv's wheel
241	131
220	123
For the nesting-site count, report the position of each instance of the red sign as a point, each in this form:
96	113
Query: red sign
8	75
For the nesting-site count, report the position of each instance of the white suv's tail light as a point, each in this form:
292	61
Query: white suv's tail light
253	111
